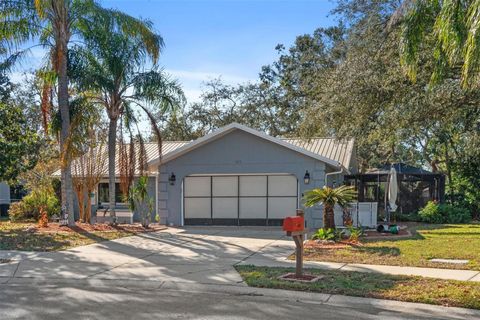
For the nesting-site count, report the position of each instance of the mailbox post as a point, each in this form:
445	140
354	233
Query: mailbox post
295	227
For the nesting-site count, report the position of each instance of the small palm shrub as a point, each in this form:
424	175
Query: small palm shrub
355	233
140	201
434	212
329	197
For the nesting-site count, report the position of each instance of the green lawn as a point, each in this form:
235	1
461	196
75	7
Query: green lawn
427	242
13	236
372	285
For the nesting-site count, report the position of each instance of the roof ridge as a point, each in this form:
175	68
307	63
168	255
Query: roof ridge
324	138
172	141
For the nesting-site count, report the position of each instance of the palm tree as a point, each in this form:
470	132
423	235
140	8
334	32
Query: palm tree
453	29
329	197
112	69
51	23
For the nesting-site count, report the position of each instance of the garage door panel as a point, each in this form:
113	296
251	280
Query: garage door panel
243	200
282	186
225	208
253	208
225	186
197	187
197	208
279	208
253	186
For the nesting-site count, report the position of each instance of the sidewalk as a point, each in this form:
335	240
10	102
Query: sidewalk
275	256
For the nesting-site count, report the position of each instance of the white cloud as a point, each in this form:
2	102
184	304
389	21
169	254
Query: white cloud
193	81
206	76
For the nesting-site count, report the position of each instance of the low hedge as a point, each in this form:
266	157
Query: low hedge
435	212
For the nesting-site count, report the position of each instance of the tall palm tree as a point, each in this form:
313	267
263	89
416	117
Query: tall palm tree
452	26
112	69
52	23
329	197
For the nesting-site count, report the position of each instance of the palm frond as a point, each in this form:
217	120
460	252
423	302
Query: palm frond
471	66
341	196
158	89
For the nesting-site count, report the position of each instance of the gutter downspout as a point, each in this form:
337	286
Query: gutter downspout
331	174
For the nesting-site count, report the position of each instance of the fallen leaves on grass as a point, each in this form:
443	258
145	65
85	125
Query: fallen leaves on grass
372	285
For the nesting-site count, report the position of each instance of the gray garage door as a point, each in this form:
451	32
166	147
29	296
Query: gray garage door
239	199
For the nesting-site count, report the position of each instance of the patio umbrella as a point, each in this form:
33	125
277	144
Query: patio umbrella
392	190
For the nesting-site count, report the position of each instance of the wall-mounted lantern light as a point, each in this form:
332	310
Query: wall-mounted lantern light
306	177
172	179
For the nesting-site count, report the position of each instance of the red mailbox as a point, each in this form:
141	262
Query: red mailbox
292	224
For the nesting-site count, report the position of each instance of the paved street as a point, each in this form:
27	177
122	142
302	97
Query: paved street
177	273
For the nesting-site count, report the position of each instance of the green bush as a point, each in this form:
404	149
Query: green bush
16	211
327	234
355	233
29	207
408	217
444	213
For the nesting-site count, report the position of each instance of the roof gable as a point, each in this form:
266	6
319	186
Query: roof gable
235	126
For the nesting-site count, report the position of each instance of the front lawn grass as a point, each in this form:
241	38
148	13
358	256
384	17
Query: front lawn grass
14	236
371	285
427	242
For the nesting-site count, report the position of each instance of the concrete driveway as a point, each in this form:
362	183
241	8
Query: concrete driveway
183	273
196	255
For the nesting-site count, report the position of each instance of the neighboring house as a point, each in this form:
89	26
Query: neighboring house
240	176
4	199
8	195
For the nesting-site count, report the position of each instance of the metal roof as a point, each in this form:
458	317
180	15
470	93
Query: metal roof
338	150
401	168
236	126
151	149
328	149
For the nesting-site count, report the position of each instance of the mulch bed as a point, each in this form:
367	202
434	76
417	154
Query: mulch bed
98	227
373	234
313	244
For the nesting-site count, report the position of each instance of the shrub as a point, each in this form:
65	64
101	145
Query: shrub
327	234
16	211
355	233
444	213
408	217
431	213
32	205
457	215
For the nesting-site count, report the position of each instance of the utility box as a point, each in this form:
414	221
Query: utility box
292	224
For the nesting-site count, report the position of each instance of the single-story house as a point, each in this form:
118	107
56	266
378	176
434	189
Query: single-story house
239	176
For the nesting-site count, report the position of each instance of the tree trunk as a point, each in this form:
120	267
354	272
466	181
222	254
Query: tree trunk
112	143
449	174
79	190
88	208
328	217
61	45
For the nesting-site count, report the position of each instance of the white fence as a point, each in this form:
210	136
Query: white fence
363	214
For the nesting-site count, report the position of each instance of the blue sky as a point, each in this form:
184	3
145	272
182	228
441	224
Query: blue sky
227	38
231	39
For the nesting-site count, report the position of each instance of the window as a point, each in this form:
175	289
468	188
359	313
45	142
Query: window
103	193
17	192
